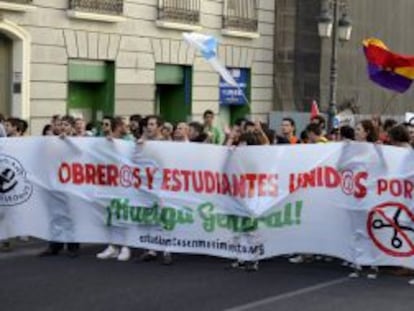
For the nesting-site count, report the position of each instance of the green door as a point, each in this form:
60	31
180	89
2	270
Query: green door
91	89
173	92
5	74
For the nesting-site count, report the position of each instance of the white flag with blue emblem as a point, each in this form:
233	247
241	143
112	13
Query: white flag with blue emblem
207	46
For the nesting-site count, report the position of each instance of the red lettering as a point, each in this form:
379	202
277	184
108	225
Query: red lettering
218	183
210	182
396	187
300	180
319	174
261	183
382	186
166	177
225	186
292	187
177	186
101	174
150	172
64	173
186	175
137	178
251	178
360	188
273	186
90	174
198	185
239	186
77	171
309	179
332	177
113	175
408	189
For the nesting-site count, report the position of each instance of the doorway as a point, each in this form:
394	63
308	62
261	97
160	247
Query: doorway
91	89
5	74
173	92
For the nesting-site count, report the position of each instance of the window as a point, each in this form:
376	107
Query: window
17	5
183	11
19	1
240	15
110	7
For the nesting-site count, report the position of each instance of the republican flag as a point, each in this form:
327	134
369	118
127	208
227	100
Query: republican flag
388	69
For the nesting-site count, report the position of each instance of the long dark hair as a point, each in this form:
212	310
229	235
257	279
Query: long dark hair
46	128
369	128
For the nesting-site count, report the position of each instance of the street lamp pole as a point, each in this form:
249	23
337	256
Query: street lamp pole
337	29
333	77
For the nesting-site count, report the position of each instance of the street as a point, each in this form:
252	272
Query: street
191	283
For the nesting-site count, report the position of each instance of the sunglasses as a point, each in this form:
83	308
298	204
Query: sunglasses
106	124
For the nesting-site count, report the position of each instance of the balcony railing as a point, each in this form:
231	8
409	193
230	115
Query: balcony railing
240	15
17	5
110	7
18	1
180	11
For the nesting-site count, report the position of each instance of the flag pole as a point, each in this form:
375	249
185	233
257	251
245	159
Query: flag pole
388	103
244	96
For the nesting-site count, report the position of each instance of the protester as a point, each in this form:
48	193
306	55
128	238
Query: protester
399	136
251	138
152	132
319	120
167	131
134	125
56	123
13	127
304	139
47	130
196	133
2	129
106	126
233	135
119	130
215	136
181	132
80	128
383	136
346	133
288	128
365	131
314	133
54	248
410	128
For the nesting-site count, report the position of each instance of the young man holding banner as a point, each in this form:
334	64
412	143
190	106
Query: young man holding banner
119	130
152	131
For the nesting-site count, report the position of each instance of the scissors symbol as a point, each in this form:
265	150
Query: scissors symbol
396	241
7	180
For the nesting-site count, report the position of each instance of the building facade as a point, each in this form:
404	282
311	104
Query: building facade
302	59
92	58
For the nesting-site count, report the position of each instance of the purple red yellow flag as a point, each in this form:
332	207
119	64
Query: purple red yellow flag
388	69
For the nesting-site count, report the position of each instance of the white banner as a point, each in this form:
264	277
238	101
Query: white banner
352	201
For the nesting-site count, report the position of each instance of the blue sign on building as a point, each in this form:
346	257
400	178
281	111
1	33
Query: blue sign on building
230	95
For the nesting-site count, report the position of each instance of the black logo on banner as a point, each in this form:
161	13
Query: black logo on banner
15	189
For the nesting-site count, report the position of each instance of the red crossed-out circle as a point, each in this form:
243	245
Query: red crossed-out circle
380	209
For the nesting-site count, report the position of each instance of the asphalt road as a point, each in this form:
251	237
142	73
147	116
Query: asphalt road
191	283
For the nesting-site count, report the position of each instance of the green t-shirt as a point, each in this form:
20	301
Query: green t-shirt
216	135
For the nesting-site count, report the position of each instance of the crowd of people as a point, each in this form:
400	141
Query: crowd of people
243	132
